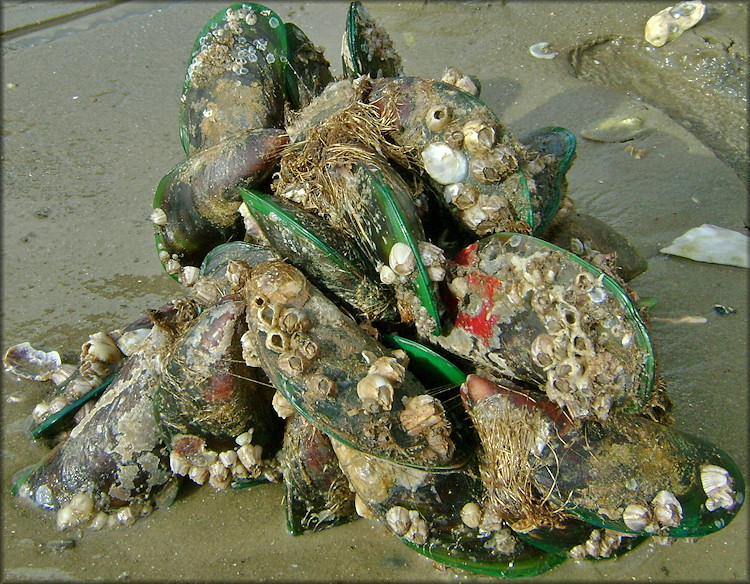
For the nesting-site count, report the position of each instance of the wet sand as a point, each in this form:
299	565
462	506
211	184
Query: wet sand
89	129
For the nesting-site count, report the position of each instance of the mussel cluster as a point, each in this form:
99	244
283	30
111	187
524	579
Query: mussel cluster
328	230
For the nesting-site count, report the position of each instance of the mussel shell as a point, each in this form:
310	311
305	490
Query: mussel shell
307	70
438	497
318	369
558	144
117	452
317	492
235	78
199	196
64	417
216	261
381	212
572	532
597	470
328	257
366	48
508	292
580	233
207	390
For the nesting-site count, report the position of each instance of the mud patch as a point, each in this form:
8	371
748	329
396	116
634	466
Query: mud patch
699	80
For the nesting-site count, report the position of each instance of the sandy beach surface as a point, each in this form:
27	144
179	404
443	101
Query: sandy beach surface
89	128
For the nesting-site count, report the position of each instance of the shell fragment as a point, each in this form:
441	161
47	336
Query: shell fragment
712	244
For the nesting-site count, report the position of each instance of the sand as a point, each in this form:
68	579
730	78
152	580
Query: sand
90	127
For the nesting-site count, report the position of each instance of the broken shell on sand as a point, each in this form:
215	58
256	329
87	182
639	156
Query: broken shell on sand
671	22
712	244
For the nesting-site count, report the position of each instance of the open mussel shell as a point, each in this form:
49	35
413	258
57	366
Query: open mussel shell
27	362
317	493
366	48
327	256
208	390
337	376
531	311
552	151
471	160
195	205
307	70
637	476
235	78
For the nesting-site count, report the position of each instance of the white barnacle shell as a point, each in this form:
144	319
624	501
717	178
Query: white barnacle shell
387	275
471	513
126	515
438	117
244	438
479	137
717	484
178	464
361	508
198	474
451	191
82	506
282	406
101	347
65	518
666	509
189	275
99	521
40	412
418	530
463	82
388	367
401	259
636	517
220	476
398	520
376	392
228	458
434	260
250	455
159	217
444	164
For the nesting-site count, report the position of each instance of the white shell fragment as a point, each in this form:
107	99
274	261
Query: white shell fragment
711	244
541	51
445	164
618	128
671	22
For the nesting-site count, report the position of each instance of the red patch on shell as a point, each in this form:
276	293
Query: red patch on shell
481	324
466	256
